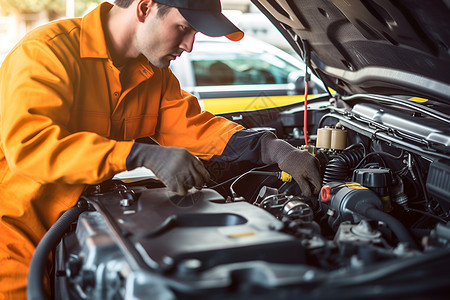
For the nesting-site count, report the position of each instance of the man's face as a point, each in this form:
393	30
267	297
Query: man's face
162	38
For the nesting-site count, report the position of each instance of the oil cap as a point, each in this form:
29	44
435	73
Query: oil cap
377	179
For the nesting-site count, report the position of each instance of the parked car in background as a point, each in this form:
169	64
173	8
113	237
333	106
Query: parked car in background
248	75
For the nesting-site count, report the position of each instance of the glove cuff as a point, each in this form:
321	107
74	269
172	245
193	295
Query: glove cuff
138	153
131	158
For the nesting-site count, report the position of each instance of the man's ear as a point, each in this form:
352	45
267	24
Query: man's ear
143	9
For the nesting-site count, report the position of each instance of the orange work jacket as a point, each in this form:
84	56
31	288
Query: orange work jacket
68	118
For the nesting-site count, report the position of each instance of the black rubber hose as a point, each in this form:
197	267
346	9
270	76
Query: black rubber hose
395	225
35	285
339	167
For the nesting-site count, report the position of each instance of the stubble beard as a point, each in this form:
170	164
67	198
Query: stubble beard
150	52
159	62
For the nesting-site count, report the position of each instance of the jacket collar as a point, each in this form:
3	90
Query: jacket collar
92	39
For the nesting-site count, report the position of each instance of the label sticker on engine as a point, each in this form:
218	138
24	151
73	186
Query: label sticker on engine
354	186
236	235
238	232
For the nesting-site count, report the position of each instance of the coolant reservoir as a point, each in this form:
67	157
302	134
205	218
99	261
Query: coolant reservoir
331	138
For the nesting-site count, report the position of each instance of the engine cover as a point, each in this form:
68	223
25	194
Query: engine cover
200	241
169	229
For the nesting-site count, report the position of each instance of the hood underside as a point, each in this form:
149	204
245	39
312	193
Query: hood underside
370	46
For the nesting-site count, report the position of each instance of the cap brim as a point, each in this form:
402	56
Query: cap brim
212	24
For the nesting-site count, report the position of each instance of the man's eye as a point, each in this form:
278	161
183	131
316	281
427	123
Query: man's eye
184	28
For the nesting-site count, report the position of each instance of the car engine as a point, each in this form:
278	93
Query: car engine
378	228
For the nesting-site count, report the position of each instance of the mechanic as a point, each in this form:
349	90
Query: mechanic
75	95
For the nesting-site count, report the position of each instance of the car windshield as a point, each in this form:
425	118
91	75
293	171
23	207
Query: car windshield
228	64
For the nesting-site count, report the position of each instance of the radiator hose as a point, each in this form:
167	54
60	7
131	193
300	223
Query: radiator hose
36	272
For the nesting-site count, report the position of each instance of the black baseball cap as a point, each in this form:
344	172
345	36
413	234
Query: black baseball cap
206	16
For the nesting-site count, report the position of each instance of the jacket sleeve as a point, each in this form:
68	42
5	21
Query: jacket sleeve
244	145
36	96
181	123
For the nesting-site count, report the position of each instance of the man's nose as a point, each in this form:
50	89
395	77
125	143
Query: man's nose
188	42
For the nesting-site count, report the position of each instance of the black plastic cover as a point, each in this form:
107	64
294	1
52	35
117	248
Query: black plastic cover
200	229
438	181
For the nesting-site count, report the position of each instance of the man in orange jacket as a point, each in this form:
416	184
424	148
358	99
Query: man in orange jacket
75	95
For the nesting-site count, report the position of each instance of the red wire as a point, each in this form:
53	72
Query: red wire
305	114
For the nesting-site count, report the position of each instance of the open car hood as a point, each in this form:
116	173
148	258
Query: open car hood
370	46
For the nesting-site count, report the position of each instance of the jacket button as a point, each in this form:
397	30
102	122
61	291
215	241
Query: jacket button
116	94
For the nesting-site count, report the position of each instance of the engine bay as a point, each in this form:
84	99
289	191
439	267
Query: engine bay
378	227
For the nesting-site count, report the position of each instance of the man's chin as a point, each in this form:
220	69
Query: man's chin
162	63
163	66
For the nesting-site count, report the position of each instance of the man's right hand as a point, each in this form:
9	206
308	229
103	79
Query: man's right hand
178	169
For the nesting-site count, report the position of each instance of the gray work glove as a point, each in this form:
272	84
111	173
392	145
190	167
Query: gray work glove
178	169
300	164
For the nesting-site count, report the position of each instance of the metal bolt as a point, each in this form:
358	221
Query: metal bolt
125	202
